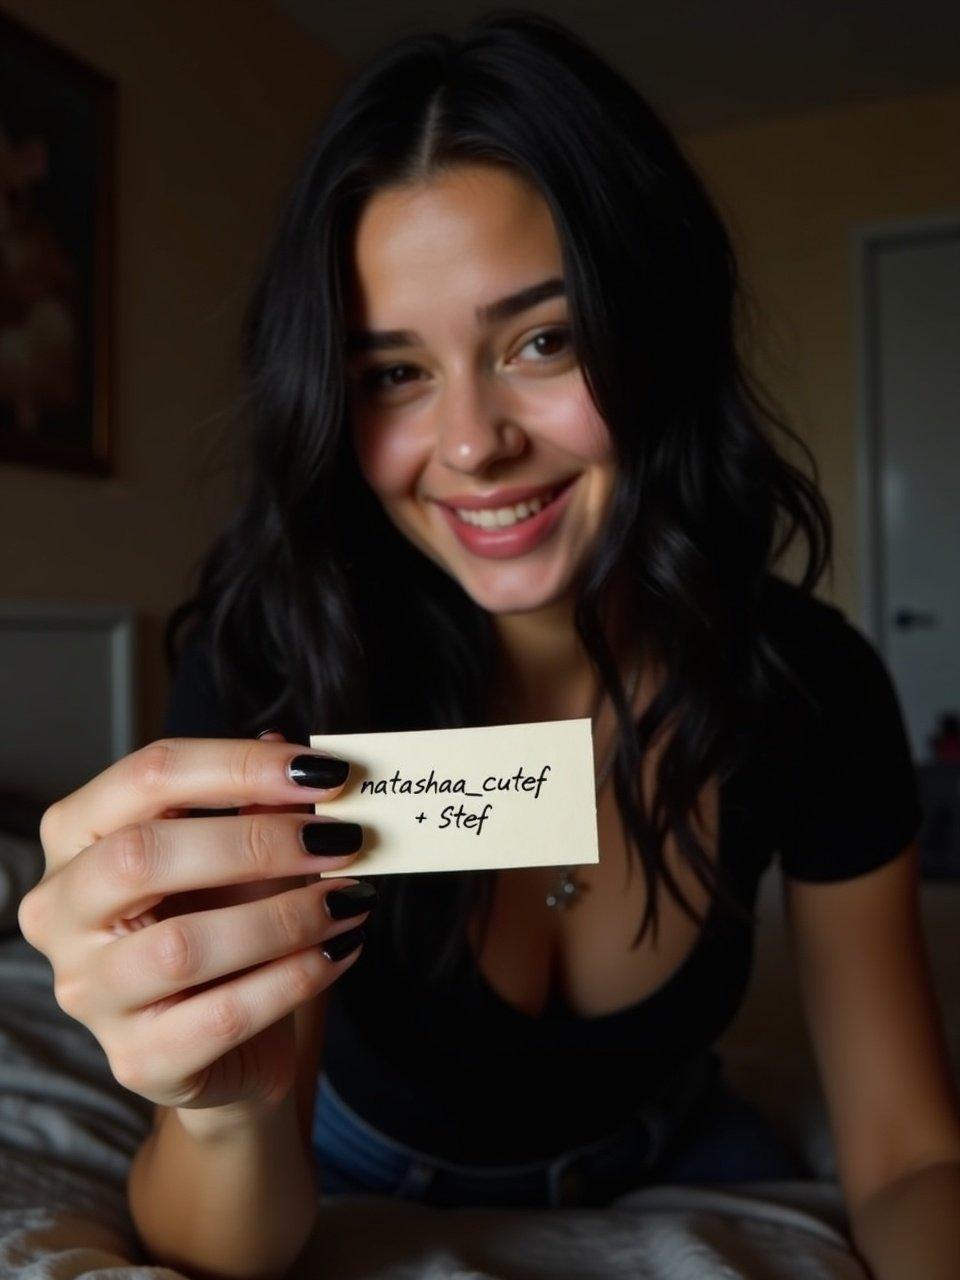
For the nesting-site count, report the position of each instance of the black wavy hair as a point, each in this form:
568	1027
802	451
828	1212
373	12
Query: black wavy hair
322	617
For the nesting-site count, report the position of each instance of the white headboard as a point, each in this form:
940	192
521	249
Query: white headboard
67	693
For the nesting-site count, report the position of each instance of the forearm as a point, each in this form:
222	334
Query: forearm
911	1228
238	1203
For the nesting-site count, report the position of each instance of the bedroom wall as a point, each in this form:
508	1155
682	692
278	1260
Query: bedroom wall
216	102
793	190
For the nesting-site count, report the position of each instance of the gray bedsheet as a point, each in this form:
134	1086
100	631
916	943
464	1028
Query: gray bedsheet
68	1132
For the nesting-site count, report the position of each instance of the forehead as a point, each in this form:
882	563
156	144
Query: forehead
466	231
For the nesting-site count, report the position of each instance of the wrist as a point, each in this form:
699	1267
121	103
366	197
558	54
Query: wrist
217	1124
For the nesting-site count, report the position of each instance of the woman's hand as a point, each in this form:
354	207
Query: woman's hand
186	943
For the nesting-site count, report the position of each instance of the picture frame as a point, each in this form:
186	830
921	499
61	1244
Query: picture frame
57	117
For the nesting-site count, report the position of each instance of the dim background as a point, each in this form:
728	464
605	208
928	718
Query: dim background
829	135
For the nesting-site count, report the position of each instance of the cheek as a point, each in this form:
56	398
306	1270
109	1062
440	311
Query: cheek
390	457
391	454
571	422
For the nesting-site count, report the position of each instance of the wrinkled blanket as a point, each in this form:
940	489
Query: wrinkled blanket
68	1131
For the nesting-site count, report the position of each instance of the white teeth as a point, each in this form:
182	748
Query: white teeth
503	517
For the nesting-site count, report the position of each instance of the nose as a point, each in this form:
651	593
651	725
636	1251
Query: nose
475	433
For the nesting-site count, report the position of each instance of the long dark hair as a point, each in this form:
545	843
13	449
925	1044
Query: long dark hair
321	617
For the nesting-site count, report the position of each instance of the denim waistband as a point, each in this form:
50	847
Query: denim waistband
590	1173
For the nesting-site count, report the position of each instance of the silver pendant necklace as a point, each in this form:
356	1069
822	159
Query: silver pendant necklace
568	891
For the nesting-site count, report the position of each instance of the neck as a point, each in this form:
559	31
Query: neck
543	670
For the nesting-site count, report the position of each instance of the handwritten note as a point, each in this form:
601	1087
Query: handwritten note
511	795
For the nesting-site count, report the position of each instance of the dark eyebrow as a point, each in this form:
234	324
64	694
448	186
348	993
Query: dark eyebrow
503	309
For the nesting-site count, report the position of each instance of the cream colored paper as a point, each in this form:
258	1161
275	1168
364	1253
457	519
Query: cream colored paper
510	795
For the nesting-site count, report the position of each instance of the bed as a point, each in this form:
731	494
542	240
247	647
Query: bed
68	1131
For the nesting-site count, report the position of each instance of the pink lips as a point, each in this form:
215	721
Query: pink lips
513	540
504	497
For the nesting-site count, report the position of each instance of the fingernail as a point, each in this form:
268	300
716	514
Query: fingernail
273	732
331	837
351	900
341	946
318	771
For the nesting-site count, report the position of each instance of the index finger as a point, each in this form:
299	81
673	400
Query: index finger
183	773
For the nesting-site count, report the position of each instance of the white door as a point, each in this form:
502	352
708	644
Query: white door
911	321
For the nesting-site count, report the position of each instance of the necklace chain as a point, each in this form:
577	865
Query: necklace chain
567	890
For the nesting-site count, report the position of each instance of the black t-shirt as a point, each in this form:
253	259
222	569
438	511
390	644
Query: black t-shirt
459	1072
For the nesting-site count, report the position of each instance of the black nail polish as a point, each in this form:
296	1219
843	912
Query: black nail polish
351	900
331	838
343	944
318	771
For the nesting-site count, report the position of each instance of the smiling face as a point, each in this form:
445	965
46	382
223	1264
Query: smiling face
472	423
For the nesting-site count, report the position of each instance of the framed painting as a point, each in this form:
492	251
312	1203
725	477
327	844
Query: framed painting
56	250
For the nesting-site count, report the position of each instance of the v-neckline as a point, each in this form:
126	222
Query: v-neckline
556	1012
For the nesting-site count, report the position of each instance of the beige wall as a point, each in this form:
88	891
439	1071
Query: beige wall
216	102
793	189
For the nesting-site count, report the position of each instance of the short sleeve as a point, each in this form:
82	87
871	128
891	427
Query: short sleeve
194	708
857	801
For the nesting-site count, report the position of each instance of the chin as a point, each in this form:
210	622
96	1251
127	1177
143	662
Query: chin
503	586
506	588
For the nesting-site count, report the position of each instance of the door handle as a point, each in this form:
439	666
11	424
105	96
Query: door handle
904	619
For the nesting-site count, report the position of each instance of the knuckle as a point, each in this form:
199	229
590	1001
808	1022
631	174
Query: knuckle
37	914
175	953
260	844
50	824
29	915
67	993
278	1088
224	1018
153	766
131	860
304	977
291	925
246	766
127	1070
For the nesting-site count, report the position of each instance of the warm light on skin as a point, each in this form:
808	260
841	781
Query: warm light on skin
472	407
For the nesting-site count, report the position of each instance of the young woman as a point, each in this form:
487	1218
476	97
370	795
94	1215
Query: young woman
506	465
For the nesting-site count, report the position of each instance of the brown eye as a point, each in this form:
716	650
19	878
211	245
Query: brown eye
382	378
549	342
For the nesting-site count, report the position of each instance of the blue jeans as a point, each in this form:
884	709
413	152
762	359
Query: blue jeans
700	1131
